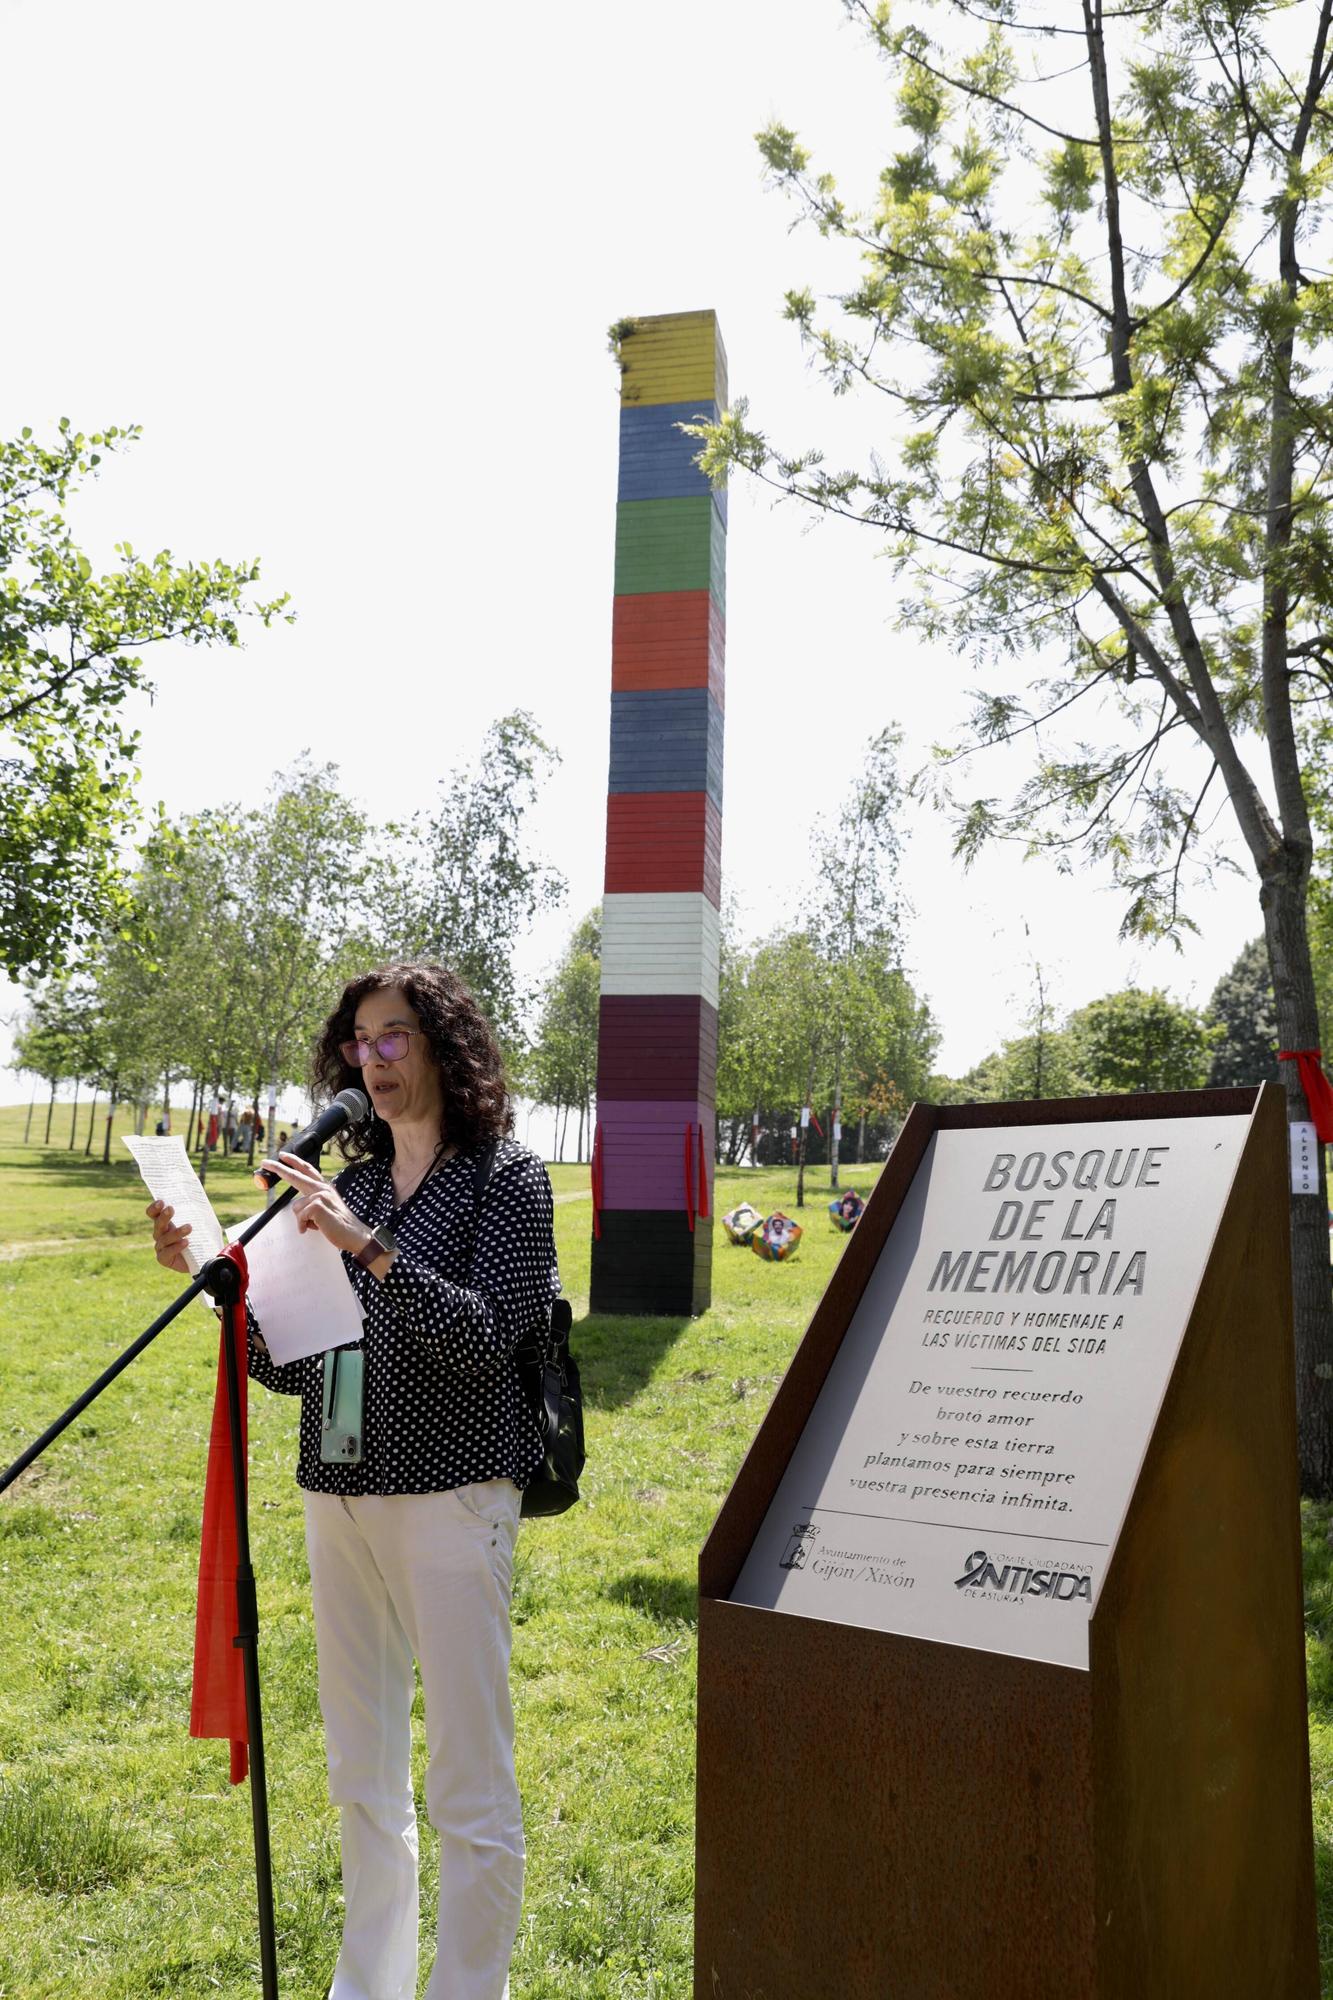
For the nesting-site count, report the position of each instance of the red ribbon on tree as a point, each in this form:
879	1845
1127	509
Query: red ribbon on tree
217	1702
595	1176
1318	1090
814	1120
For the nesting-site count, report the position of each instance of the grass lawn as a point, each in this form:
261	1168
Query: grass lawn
124	1855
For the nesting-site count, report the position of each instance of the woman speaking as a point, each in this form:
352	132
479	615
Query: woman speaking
415	1446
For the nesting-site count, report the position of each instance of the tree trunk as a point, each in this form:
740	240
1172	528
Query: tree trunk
578	1142
74	1117
1287	935
50	1112
189	1126
110	1118
166	1099
861	1139
254	1128
271	1133
206	1119
835	1131
92	1113
32	1101
805	1133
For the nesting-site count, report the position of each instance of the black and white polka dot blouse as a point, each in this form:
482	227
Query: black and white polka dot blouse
443	1404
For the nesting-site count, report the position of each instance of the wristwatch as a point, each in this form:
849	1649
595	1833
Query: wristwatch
381	1243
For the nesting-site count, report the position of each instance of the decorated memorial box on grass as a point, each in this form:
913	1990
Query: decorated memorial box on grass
1000	1627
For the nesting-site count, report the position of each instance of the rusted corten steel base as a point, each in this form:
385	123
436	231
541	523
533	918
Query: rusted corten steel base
882	1818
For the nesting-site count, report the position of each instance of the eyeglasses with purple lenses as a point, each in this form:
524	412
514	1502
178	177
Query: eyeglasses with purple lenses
389	1048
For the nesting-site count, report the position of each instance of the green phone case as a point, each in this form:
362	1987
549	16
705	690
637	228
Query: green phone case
340	1431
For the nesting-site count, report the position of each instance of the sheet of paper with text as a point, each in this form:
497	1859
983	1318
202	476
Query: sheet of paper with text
300	1292
169	1176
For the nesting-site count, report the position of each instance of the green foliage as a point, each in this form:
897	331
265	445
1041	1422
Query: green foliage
793	1020
1136	1040
54	1039
1086	299
1130	1041
562	1068
857	858
236	931
822	1014
70	655
1041	1064
301	927
1103	464
1242	1006
459	883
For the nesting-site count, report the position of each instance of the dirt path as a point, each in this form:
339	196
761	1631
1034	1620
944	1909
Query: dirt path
9	1252
51	1245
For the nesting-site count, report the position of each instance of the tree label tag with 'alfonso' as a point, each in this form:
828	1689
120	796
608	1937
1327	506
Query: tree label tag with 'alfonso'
1304	1157
965	1471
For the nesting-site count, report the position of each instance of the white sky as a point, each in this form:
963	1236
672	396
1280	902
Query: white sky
352	270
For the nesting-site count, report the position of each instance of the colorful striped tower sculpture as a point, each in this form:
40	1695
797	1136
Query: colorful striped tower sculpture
657	1051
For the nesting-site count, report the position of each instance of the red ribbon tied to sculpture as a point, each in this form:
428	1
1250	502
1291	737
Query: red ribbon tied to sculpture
595	1176
703	1175
1318	1090
689	1175
217	1702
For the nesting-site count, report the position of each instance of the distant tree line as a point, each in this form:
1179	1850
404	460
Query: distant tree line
233	930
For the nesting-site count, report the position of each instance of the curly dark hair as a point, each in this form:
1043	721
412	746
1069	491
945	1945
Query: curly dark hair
462	1045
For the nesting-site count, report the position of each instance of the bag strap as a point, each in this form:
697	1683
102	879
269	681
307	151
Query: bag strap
482	1172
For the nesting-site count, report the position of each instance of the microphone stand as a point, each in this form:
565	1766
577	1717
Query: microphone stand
221	1280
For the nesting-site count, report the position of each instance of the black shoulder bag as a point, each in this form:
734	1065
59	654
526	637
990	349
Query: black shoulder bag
549	1376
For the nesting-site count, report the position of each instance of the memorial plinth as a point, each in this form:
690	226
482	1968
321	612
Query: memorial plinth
1001	1667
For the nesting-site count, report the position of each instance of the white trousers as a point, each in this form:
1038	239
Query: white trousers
425	1575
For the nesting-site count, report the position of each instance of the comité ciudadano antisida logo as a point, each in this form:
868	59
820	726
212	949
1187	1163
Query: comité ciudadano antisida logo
1015	1580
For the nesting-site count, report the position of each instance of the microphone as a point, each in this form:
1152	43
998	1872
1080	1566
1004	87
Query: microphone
349	1107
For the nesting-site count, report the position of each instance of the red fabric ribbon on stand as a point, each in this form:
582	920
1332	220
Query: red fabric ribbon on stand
595	1176
1318	1090
217	1703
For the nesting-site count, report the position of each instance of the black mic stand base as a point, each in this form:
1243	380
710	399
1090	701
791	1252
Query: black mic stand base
222	1280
